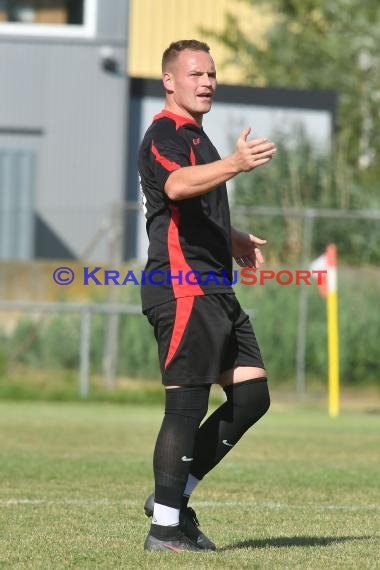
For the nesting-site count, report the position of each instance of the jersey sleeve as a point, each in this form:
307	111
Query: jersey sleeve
166	156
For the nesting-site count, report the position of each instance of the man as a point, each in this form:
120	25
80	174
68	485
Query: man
203	335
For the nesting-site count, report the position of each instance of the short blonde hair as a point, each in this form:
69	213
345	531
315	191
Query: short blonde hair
171	53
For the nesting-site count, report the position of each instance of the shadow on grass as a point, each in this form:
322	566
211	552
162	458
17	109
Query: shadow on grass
286	541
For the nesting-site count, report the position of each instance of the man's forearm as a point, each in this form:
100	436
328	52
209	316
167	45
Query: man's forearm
191	181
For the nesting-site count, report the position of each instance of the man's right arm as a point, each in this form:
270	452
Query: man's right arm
191	181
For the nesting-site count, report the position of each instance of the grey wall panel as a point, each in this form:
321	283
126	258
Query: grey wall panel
22	80
82	163
112	22
57	91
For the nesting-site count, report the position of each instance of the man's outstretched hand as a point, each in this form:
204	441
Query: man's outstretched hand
250	154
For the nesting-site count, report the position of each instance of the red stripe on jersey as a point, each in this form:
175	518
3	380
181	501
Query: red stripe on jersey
193	162
182	315
178	119
177	261
169	165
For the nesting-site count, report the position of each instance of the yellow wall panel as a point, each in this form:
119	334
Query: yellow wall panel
154	24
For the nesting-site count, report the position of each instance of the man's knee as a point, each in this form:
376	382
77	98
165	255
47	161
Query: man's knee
249	400
188	401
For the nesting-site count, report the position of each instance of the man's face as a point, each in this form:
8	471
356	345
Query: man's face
191	82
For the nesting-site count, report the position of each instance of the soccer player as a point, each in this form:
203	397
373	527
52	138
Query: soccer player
203	335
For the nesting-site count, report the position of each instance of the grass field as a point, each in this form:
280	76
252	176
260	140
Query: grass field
300	491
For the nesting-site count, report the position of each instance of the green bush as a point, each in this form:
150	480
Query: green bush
3	353
25	344
60	341
137	348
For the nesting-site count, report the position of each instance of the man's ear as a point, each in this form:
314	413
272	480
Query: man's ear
167	80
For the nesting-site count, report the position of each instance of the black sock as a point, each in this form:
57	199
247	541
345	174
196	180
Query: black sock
185	408
164	532
184	501
246	403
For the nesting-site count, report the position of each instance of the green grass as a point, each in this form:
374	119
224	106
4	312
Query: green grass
299	491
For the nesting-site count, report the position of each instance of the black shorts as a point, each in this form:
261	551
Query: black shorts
201	337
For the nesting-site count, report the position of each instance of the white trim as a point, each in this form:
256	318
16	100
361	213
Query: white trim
332	280
85	30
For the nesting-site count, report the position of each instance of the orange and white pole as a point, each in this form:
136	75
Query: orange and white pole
332	331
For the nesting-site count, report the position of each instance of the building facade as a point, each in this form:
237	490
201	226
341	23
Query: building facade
63	124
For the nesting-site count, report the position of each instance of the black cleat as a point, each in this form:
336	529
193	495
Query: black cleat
177	543
188	524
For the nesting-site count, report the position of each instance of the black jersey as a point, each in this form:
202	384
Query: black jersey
189	240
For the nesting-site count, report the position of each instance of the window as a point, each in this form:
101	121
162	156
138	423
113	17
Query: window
48	17
17	179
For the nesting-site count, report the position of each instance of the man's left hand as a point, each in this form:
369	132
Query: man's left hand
245	249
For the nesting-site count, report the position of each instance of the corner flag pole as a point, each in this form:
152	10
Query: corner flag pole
332	331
